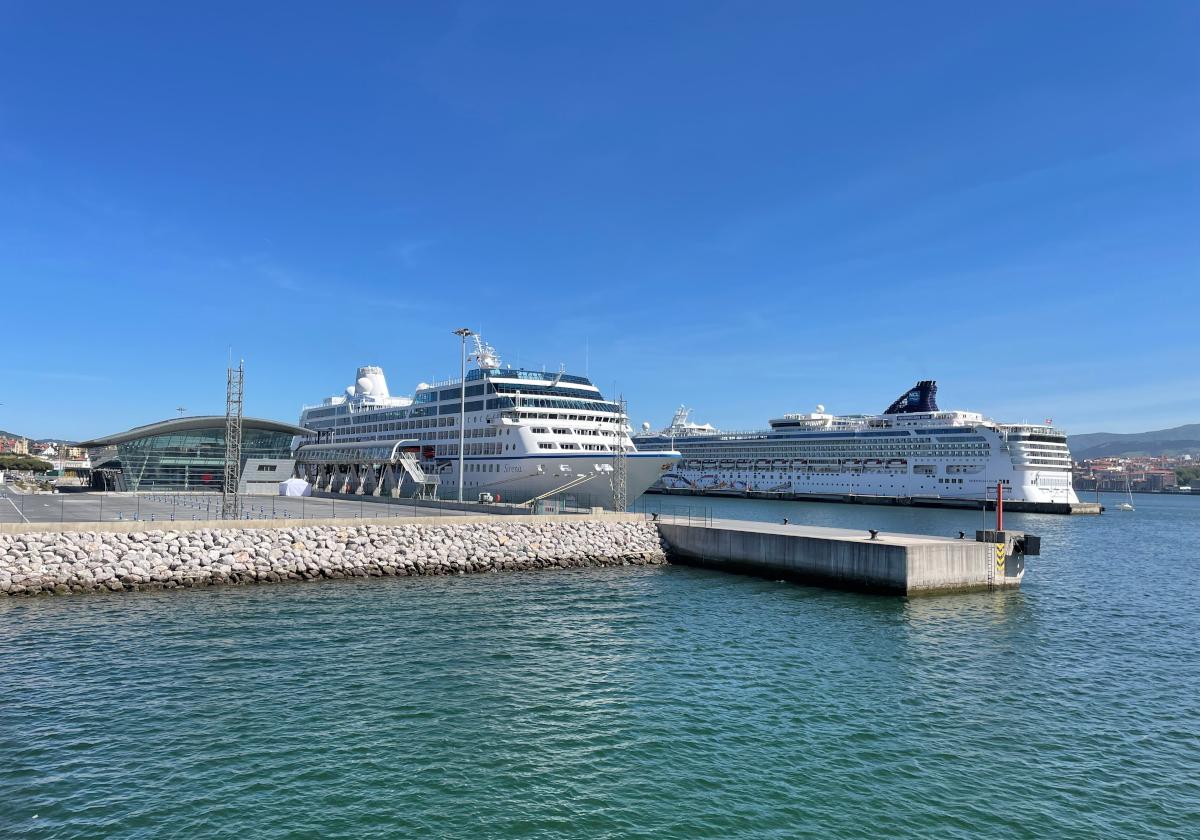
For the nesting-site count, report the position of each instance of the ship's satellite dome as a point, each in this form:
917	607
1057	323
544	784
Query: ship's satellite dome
421	386
365	385
646	426
820	409
349	390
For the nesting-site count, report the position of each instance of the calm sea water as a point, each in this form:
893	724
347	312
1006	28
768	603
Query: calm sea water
625	702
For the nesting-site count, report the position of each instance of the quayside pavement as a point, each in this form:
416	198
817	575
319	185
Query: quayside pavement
19	508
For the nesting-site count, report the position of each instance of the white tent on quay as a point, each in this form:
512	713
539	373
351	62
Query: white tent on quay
295	487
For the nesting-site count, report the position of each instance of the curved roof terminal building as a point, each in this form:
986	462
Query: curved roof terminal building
186	453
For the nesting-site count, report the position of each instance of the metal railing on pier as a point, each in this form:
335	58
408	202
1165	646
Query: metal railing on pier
655	510
184	506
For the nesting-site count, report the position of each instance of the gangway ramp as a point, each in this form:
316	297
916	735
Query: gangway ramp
372	468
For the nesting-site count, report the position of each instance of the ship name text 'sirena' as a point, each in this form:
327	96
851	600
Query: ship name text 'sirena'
913	450
527	433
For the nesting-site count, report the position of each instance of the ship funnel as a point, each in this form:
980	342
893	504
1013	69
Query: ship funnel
922	397
370	380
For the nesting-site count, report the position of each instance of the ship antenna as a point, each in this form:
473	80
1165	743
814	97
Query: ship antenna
485	355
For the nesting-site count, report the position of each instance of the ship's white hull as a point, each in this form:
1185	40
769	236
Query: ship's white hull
519	479
914	450
1024	485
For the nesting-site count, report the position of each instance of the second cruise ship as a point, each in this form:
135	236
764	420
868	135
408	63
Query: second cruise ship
528	435
913	452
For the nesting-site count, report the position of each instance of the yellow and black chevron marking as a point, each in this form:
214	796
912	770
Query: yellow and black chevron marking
1000	557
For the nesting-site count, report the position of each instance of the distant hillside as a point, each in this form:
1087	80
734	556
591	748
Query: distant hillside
4	434
1180	440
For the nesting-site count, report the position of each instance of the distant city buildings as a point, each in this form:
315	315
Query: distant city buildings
67	463
14	446
1139	474
47	450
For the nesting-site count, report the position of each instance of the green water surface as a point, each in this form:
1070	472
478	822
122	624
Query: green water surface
628	702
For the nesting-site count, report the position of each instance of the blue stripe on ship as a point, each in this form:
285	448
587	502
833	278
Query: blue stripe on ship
550	455
807	436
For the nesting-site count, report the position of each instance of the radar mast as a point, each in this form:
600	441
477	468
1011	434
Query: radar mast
485	355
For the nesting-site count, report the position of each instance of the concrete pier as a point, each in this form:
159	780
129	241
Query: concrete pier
121	556
901	564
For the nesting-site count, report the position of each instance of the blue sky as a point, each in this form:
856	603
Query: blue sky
747	208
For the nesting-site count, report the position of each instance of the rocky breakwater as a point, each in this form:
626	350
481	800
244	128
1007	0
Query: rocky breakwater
88	561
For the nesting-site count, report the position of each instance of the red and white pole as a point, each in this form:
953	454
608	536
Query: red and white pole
999	505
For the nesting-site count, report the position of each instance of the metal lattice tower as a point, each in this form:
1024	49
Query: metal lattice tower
620	474
231	502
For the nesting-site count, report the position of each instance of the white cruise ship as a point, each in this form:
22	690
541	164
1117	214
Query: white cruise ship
913	452
528	434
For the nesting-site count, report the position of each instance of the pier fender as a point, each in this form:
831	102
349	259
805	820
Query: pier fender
1030	545
1008	551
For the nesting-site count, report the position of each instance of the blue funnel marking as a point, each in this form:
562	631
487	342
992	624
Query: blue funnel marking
920	399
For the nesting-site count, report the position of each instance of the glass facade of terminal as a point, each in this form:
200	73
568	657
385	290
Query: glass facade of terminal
192	460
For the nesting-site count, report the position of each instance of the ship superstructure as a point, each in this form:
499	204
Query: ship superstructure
913	450
527	434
